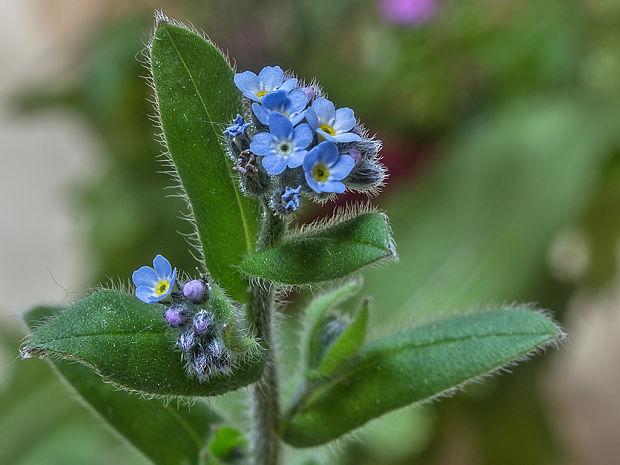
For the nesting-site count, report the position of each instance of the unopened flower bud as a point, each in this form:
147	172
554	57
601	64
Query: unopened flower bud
186	340
200	363
175	316
194	290
310	93
356	155
203	321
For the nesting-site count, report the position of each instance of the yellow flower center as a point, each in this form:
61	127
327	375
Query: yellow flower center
327	129
320	172
162	287
261	93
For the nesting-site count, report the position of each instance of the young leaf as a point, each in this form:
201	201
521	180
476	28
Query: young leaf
315	314
325	254
128	343
185	431
344	347
196	99
414	366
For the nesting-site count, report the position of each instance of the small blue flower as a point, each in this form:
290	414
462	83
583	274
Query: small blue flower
154	284
238	128
331	124
325	168
282	147
291	104
291	198
269	79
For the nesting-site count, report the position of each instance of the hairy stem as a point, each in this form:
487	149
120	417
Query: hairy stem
265	395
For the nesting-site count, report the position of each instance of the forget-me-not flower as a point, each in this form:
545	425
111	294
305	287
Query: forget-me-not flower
154	284
290	198
282	147
325	168
269	79
291	104
238	128
333	125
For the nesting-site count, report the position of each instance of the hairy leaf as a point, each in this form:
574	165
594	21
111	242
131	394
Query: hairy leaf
142	422
196	98
344	347
315	314
128	343
325	254
414	366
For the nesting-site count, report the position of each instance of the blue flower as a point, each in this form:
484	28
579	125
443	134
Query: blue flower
291	104
325	168
269	79
291	198
331	124
282	147
238	128
154	284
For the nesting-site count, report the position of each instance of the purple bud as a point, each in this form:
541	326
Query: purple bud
356	155
174	316
194	290
219	355
310	93
186	340
202	322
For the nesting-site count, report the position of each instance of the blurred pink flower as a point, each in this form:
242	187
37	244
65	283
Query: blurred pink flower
408	11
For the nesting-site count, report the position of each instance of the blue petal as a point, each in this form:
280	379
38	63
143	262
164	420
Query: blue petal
312	119
163	269
333	186
274	164
297	101
346	137
325	136
280	126
345	120
296	158
147	294
325	111
262	113
328	153
247	82
302	136
275	100
271	77
314	185
263	144
342	168
310	159
172	280
144	276
288	85
296	118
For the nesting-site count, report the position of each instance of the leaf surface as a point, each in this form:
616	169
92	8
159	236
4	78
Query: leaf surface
197	98
415	366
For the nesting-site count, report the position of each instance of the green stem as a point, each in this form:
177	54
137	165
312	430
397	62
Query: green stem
265	396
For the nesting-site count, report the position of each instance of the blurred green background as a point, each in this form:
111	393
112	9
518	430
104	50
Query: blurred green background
501	130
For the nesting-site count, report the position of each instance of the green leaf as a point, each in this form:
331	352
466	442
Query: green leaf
414	366
128	343
164	432
325	254
344	347
196	99
315	316
226	443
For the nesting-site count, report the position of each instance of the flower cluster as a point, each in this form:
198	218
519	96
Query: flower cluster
199	335
292	135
